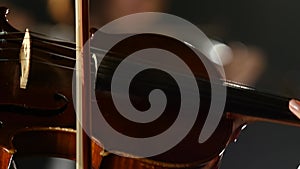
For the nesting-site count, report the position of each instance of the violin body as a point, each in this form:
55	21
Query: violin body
38	120
45	111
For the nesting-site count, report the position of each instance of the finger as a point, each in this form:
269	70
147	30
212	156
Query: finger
294	106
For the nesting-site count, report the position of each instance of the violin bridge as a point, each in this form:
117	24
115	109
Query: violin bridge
25	60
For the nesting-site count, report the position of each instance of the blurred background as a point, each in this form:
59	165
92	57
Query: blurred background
264	36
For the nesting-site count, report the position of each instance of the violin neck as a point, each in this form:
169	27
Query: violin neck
241	101
253	105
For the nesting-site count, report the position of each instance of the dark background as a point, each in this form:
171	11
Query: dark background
271	25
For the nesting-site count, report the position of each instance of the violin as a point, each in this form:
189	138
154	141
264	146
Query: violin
38	117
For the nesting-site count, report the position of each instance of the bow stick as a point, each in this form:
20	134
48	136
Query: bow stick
83	143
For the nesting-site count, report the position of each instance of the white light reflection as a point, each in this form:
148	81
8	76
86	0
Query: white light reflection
223	51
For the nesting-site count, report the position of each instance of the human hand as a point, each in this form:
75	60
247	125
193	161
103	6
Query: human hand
294	106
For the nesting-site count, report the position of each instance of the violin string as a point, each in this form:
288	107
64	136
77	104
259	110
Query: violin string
40	50
106	65
40	35
99	50
55	54
54	65
43	51
99	74
44	41
52	41
36	34
9	60
110	57
55	43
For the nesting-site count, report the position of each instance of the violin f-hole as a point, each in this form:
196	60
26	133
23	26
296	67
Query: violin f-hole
36	111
